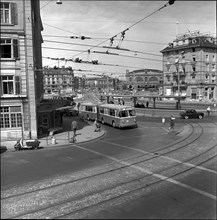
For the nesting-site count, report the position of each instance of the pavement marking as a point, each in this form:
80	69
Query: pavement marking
165	157
150	173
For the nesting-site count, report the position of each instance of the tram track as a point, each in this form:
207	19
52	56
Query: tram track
133	181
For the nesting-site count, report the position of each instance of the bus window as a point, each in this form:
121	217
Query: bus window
132	112
123	114
112	112
101	110
105	111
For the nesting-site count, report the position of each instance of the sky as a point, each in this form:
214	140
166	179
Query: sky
147	29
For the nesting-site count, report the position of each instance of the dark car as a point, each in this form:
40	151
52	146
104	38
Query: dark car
191	113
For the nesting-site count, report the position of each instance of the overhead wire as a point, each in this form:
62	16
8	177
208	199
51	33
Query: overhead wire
46	4
126	28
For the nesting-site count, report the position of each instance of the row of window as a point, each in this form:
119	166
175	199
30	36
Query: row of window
181	68
10	117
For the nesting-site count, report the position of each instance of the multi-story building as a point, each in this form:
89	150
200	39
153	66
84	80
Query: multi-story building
21	65
101	83
58	79
189	66
150	81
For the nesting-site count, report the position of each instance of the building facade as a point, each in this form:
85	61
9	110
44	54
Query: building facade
150	81
189	66
21	65
58	80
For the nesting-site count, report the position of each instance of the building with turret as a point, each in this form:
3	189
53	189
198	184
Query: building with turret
189	66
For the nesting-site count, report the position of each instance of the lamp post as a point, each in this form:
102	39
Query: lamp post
177	70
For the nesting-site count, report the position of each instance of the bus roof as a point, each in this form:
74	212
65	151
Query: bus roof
89	103
115	106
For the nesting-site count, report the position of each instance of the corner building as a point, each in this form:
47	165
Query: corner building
189	67
21	80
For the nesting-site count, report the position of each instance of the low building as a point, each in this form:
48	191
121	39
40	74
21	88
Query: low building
150	81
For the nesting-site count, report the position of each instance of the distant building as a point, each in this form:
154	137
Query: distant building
58	79
148	80
21	87
189	66
101	83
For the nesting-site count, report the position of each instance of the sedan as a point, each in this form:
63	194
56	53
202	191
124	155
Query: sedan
191	113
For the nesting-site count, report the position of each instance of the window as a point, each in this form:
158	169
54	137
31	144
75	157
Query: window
8	13
213	57
112	112
10	85
9	49
213	67
11	117
207	67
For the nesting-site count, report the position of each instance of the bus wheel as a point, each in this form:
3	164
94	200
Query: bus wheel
102	121
113	124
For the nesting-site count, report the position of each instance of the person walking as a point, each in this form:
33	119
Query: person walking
208	110
172	123
96	125
147	104
163	121
74	127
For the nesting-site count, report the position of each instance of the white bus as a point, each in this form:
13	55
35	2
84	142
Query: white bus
116	115
88	110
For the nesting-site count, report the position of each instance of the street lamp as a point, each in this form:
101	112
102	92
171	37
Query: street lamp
177	70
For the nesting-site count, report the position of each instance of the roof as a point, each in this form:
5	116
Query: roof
115	106
200	41
146	70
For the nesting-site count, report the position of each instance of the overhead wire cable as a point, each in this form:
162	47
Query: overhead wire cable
46	4
127	28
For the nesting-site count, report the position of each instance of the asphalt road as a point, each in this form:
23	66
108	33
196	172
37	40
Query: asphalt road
156	191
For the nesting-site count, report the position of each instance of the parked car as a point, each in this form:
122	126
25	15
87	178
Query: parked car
191	113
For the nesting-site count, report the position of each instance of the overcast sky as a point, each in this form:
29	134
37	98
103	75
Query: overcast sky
101	20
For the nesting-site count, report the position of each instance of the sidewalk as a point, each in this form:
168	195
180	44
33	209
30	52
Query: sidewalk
83	135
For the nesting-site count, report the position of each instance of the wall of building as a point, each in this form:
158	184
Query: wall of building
189	66
18	96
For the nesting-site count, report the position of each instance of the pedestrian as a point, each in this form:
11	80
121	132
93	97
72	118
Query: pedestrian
74	127
172	123
78	106
163	121
147	104
96	125
208	110
123	102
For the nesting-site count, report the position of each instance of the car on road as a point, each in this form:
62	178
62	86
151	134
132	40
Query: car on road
191	113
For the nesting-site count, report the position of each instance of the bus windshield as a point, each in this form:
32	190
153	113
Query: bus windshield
127	113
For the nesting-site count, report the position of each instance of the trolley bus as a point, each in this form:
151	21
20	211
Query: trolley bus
112	114
88	110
